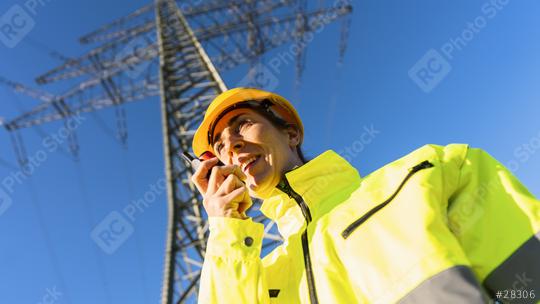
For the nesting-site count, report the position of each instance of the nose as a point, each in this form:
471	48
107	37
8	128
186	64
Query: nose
236	143
233	144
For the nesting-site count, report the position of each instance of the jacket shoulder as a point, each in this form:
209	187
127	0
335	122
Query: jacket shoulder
449	158
452	154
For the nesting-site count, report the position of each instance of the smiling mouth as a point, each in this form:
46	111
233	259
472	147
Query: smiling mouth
250	164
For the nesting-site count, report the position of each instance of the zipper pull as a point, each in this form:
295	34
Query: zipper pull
423	165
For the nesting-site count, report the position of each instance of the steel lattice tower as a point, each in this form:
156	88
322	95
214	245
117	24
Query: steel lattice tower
175	50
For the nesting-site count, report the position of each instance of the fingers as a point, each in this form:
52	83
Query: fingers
199	177
224	205
220	173
246	202
224	192
236	195
233	185
230	183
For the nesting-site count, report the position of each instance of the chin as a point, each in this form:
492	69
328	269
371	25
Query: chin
255	191
261	188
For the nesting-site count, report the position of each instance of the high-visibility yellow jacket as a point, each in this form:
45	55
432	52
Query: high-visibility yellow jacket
440	225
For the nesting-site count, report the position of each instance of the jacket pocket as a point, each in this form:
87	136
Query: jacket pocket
354	225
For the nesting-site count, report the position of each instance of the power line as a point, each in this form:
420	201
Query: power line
46	237
82	185
138	242
187	78
45	49
38	130
42	47
90	221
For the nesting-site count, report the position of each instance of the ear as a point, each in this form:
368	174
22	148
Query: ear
295	137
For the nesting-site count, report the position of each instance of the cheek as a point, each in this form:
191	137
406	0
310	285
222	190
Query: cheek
270	140
274	145
264	139
259	134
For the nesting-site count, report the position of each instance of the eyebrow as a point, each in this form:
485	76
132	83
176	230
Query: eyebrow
231	122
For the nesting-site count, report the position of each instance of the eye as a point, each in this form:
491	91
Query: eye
242	125
219	147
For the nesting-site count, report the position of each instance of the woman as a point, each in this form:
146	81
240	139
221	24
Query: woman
444	224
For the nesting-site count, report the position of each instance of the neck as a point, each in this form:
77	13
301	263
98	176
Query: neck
318	182
293	163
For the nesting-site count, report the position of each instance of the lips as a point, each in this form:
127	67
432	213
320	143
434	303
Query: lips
249	163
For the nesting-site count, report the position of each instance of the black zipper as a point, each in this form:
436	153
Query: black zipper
423	165
286	187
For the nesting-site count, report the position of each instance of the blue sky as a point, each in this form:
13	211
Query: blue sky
482	60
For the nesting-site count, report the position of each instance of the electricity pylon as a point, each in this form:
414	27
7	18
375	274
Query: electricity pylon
177	50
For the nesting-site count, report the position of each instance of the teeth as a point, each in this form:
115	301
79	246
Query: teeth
247	162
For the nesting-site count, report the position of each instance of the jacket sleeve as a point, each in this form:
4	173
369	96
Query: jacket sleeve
232	270
496	221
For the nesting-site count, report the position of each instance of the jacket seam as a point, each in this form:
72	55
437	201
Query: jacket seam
463	159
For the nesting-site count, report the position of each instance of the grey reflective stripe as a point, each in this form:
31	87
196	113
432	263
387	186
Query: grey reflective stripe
453	285
521	271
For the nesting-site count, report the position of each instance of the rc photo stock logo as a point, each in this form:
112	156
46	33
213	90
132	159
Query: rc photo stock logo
5	201
112	232
434	66
430	70
18	21
259	77
117	227
50	144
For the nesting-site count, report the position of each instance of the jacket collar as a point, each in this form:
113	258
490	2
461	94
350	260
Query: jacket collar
323	182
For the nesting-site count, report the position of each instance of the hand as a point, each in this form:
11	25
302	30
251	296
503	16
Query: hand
224	193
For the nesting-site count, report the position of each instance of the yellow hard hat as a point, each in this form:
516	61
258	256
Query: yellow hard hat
227	100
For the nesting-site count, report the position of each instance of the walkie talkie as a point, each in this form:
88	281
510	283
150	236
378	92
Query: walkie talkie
195	162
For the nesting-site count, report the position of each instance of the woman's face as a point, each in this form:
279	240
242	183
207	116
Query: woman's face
245	138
